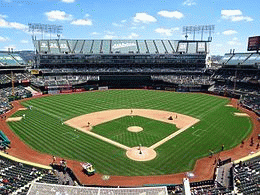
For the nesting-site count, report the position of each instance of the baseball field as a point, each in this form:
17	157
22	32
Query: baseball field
100	134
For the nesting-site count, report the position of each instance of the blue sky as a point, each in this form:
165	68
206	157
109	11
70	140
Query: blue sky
234	20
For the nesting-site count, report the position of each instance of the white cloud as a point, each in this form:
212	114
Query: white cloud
234	42
123	21
109	36
68	1
3	39
3	16
241	18
229	32
24	41
15	25
166	31
132	36
10	46
4	23
55	15
144	18
82	22
189	2
234	16
137	27
117	25
171	14
95	33
109	32
229	13
87	15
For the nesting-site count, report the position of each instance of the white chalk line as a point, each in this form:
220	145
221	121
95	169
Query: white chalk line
172	135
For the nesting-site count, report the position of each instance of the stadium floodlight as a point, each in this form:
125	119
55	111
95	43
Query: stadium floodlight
199	30
45	28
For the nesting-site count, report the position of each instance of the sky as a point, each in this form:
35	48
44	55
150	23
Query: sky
234	20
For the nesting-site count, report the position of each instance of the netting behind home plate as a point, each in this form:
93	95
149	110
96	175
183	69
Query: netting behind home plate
51	189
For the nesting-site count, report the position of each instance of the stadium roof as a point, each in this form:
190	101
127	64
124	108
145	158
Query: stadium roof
11	59
67	46
242	59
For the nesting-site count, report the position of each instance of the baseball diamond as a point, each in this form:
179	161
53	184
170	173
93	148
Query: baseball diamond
43	129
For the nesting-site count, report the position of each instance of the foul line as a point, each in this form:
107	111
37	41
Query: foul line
172	135
104	139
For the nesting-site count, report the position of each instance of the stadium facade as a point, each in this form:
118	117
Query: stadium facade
120	53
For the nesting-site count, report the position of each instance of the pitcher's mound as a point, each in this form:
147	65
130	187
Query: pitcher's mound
143	154
135	129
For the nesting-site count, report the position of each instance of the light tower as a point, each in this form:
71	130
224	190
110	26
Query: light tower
198	29
45	28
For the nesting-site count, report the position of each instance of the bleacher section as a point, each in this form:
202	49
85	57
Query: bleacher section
8	60
239	77
242	59
15	177
18	59
185	79
17	77
6	97
251	102
247	176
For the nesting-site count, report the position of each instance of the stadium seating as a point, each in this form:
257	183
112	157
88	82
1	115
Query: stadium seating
251	102
243	59
7	59
5	94
15	177
247	176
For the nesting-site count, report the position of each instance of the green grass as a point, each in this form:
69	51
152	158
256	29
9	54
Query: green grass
153	131
43	131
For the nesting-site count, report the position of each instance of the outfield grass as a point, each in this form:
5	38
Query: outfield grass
43	130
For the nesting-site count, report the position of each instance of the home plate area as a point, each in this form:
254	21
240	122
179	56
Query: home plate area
141	153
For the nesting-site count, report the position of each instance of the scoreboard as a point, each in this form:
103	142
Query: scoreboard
253	43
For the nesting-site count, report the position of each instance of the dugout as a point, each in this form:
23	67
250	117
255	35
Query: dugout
4	141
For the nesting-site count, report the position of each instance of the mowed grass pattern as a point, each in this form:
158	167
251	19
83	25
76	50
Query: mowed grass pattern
153	131
43	130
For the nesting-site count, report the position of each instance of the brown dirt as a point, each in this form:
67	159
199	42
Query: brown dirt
14	119
240	114
22	109
96	118
229	105
141	154
203	170
135	129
